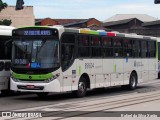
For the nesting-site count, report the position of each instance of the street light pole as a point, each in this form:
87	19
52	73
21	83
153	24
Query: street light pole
156	1
19	4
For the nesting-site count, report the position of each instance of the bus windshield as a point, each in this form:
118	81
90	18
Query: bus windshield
35	53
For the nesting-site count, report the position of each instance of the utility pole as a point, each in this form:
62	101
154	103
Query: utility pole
19	5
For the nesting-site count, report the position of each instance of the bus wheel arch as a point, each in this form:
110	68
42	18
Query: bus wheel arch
133	80
86	76
83	84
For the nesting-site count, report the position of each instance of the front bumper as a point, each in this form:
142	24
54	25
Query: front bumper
53	86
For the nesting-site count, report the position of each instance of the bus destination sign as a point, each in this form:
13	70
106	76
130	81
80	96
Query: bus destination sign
35	32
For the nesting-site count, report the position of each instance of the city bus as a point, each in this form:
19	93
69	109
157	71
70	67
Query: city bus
5	57
58	59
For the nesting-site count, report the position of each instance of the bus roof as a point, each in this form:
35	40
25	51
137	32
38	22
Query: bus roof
111	34
95	32
2	27
6	30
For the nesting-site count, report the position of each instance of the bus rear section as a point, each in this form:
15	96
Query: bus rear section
5	58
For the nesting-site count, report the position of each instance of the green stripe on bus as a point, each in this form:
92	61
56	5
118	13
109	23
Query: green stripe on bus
79	70
115	67
32	77
93	32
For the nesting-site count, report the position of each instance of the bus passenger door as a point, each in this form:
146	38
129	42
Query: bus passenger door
67	61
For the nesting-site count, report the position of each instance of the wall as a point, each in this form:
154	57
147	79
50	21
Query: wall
24	17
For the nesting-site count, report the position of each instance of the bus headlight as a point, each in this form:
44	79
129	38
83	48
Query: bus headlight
14	79
52	78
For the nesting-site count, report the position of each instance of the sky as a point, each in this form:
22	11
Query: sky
84	9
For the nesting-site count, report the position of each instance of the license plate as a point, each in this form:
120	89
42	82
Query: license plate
30	86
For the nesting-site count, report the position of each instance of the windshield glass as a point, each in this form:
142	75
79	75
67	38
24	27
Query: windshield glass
37	53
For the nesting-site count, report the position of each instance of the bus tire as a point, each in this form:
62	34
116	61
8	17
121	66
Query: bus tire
42	94
132	81
82	88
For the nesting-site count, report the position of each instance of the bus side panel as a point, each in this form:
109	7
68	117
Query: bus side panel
96	71
152	69
83	66
108	69
128	67
4	79
145	69
4	82
117	76
137	63
69	78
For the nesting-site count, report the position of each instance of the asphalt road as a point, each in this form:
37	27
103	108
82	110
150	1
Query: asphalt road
24	101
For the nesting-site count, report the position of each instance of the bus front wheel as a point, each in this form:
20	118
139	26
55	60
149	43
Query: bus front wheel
82	87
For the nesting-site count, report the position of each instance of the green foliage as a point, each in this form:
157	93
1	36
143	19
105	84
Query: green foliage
5	22
2	5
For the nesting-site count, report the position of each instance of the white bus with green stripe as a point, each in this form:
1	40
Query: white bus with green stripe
5	58
57	59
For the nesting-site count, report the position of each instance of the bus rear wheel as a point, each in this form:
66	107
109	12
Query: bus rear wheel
82	88
132	81
42	95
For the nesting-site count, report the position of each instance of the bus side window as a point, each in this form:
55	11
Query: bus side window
5	47
83	46
118	50
144	48
8	49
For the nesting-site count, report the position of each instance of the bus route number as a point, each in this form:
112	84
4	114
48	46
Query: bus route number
89	65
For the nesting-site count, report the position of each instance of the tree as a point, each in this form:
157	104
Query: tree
5	22
2	5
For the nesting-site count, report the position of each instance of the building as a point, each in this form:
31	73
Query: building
152	24
124	24
141	17
24	17
141	24
79	23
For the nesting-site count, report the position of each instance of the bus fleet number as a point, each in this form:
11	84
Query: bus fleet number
89	65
